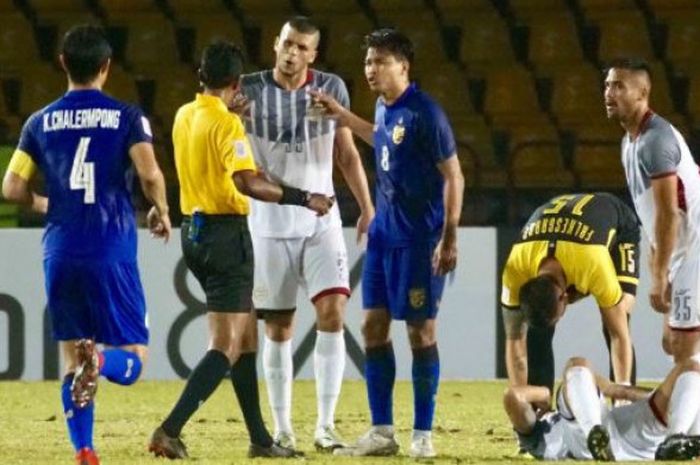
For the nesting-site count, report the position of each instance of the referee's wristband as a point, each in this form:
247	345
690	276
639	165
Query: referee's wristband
294	196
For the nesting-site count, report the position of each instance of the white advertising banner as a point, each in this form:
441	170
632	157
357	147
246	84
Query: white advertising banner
175	302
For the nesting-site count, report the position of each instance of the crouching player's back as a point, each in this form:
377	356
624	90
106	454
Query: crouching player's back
84	144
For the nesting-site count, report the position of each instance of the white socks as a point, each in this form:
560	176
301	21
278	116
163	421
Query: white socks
582	397
684	405
329	366
278	369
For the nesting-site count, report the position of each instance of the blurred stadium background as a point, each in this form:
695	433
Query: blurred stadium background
519	79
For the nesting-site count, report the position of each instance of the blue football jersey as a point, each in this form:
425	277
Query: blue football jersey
411	137
81	145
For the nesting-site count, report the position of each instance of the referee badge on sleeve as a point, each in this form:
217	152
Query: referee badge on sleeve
240	148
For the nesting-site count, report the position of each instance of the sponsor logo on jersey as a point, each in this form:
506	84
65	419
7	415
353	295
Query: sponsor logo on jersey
416	297
240	149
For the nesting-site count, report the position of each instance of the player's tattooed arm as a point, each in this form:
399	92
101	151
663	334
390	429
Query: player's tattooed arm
516	345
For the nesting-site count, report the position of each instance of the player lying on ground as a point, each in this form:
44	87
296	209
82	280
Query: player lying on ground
661	424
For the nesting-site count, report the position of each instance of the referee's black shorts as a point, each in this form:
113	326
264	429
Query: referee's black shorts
221	259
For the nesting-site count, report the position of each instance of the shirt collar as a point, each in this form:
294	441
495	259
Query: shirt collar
205	100
410	90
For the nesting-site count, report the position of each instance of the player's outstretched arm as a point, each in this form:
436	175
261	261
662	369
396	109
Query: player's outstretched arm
153	185
516	345
350	164
615	321
249	183
362	128
445	256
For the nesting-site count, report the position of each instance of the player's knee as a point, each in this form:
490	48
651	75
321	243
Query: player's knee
374	332
330	322
511	398
578	362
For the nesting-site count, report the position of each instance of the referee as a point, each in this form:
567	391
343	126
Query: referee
216	172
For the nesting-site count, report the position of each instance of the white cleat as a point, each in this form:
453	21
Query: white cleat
285	439
372	443
422	448
326	439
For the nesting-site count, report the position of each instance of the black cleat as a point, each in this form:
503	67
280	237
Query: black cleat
679	447
274	450
163	445
599	444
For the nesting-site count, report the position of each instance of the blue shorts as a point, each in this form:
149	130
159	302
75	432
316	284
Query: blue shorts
97	300
401	280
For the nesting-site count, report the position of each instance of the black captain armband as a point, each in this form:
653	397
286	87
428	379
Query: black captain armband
294	196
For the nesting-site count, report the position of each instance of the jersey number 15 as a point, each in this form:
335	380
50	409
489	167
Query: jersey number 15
82	174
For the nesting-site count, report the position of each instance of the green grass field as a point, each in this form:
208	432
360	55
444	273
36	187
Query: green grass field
470	425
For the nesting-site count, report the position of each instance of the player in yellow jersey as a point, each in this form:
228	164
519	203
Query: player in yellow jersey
572	246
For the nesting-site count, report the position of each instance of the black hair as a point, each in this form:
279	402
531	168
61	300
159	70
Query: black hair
392	41
85	50
538	299
221	65
303	24
631	64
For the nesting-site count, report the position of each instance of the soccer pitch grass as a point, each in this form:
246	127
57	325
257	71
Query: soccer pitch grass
470	424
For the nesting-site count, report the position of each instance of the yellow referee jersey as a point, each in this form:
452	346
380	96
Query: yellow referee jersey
210	145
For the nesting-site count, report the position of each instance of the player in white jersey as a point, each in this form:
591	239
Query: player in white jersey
293	143
664	182
662	424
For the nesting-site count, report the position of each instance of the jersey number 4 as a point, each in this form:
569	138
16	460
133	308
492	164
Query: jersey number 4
82	174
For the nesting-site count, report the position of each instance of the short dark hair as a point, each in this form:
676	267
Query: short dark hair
538	299
392	41
85	50
221	65
631	64
303	24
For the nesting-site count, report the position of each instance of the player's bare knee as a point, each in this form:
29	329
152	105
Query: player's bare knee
511	398
578	362
374	332
421	334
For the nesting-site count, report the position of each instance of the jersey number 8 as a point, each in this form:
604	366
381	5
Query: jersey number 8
82	174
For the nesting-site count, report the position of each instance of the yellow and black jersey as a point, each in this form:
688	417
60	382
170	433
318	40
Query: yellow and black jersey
595	238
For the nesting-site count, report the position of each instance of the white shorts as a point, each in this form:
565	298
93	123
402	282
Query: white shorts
635	431
685	295
318	263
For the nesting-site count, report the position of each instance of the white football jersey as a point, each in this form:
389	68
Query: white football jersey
292	148
660	150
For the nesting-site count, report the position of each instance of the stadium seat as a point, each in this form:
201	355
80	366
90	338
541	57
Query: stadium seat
184	8
150	43
385	6
17	43
665	9
600	131
423	30
321	7
683	44
454	12
473	134
124	9
511	98
50	7
485	43
447	84
362	99
213	26
661	100
694	100
173	89
624	38
577	96
120	84
598	166
257	8
553	42
345	39
37	93
539	166
597	9
527	133
531	9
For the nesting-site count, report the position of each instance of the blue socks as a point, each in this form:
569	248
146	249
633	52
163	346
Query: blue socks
426	377
120	366
79	420
380	374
